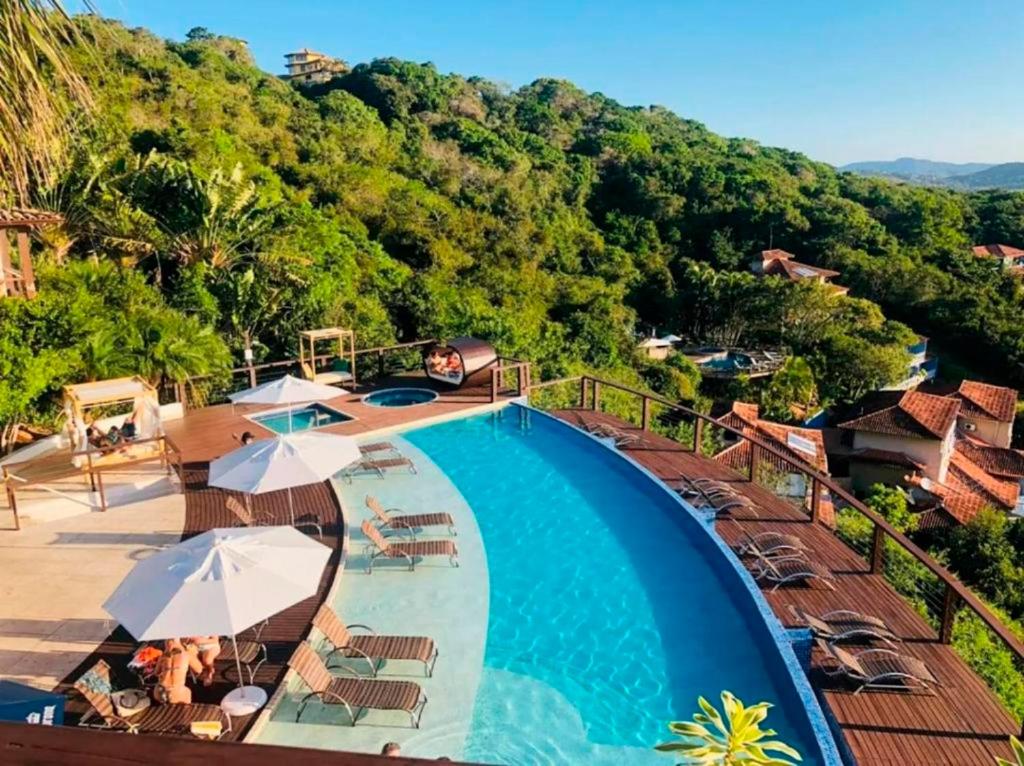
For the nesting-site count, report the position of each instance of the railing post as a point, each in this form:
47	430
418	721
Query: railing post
583	392
950	604
596	403
103	494
645	417
815	500
698	434
494	385
380	363
180	394
755	461
877	550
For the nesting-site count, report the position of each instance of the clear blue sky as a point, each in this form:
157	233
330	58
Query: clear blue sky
841	80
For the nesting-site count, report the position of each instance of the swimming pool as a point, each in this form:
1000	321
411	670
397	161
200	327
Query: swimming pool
611	609
313	415
399	397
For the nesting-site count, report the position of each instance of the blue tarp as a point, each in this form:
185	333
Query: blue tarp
26	704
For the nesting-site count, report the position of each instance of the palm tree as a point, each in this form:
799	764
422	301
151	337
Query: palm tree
40	92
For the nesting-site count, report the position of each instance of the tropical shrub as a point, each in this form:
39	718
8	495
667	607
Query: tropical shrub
729	738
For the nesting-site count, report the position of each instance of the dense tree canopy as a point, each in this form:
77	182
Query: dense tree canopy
407	203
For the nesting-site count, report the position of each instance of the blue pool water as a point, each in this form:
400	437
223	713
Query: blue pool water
611	609
301	418
399	397
728	362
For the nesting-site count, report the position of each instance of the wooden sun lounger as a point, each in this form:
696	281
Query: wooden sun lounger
770	544
605	431
879	669
723	503
846	625
379	547
784	570
354	694
394	518
369	449
378	466
95	686
373	647
251	654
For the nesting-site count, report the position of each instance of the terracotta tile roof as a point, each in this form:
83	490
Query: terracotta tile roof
767	255
997	251
983	400
794	270
741	414
744	417
906	413
22	216
969	487
998	461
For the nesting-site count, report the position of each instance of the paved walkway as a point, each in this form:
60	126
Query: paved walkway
57	574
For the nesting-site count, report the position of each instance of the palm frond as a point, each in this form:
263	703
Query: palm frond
40	92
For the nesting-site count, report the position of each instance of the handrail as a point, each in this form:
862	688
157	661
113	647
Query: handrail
956	590
317	359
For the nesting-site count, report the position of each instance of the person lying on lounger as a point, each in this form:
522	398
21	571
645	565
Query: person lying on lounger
172	673
208	650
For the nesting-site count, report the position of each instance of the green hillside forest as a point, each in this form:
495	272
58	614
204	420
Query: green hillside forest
209	205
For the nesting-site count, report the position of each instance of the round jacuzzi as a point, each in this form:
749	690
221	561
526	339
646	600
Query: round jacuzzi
400	397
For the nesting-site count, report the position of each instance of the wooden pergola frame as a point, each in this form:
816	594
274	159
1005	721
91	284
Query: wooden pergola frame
82	397
20	282
346	340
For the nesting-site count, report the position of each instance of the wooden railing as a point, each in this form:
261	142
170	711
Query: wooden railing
506	368
47	469
956	594
188	392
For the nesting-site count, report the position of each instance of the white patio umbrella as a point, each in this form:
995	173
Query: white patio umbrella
283	462
286	390
219	583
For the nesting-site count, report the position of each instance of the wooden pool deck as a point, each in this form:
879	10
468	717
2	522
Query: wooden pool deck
205	434
963	723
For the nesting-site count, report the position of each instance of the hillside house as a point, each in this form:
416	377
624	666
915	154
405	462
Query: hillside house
779	263
306	66
952	451
1005	255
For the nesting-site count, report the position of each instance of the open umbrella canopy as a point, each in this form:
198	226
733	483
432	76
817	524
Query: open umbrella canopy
218	583
286	461
287	390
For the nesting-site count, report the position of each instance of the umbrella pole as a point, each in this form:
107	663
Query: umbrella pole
291	506
238	665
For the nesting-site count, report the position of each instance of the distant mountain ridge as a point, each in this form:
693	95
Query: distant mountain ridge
955	175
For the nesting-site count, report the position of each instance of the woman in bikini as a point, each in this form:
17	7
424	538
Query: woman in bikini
172	671
207	649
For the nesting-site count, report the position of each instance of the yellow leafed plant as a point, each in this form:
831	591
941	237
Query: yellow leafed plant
734	738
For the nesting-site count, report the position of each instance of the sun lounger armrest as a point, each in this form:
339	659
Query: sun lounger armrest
385	531
890	652
350	671
364	627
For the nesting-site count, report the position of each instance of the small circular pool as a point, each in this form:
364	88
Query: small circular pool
399	397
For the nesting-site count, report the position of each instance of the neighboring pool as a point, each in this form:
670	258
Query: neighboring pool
303	418
611	608
728	362
399	397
